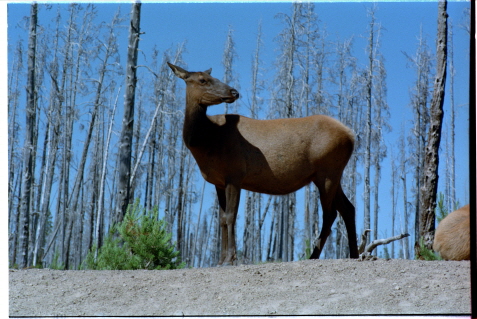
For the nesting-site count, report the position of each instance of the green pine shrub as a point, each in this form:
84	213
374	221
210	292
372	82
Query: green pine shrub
428	254
441	210
140	241
55	264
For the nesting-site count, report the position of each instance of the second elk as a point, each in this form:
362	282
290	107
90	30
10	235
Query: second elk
452	239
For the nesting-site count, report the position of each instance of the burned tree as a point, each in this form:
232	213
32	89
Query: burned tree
428	189
28	148
125	147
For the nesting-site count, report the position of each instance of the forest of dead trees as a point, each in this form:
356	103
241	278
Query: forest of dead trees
66	145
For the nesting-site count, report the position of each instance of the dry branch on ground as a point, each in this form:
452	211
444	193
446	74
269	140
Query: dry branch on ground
365	251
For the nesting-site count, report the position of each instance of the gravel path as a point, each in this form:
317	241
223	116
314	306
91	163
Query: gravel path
325	287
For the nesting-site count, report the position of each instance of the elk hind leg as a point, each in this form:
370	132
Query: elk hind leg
327	192
347	211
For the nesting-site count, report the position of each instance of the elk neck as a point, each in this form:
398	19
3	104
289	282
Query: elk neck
197	125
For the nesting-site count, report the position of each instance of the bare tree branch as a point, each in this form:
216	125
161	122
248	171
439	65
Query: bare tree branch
365	252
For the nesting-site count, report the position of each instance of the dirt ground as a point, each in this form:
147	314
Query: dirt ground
325	287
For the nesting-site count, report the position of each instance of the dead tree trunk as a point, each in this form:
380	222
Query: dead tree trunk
14	87
451	188
228	61
403	173
28	151
368	133
429	187
125	147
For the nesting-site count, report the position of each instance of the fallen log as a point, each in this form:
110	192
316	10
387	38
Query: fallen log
365	251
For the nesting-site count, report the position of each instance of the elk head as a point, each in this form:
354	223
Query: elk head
203	89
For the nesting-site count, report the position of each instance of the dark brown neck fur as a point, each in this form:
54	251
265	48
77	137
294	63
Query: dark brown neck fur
197	126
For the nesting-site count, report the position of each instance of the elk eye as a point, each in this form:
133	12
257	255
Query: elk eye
202	81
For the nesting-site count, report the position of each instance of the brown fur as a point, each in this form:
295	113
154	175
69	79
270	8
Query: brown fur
452	239
267	156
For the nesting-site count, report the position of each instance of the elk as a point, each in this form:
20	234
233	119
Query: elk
452	239
274	157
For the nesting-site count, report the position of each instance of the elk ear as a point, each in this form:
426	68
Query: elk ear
209	71
179	72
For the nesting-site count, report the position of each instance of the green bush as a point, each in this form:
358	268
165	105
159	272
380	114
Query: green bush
140	241
308	250
428	254
55	264
441	210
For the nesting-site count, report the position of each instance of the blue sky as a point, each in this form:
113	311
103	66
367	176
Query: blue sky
205	25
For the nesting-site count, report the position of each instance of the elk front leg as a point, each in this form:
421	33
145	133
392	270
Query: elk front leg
223	223
232	194
229	199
